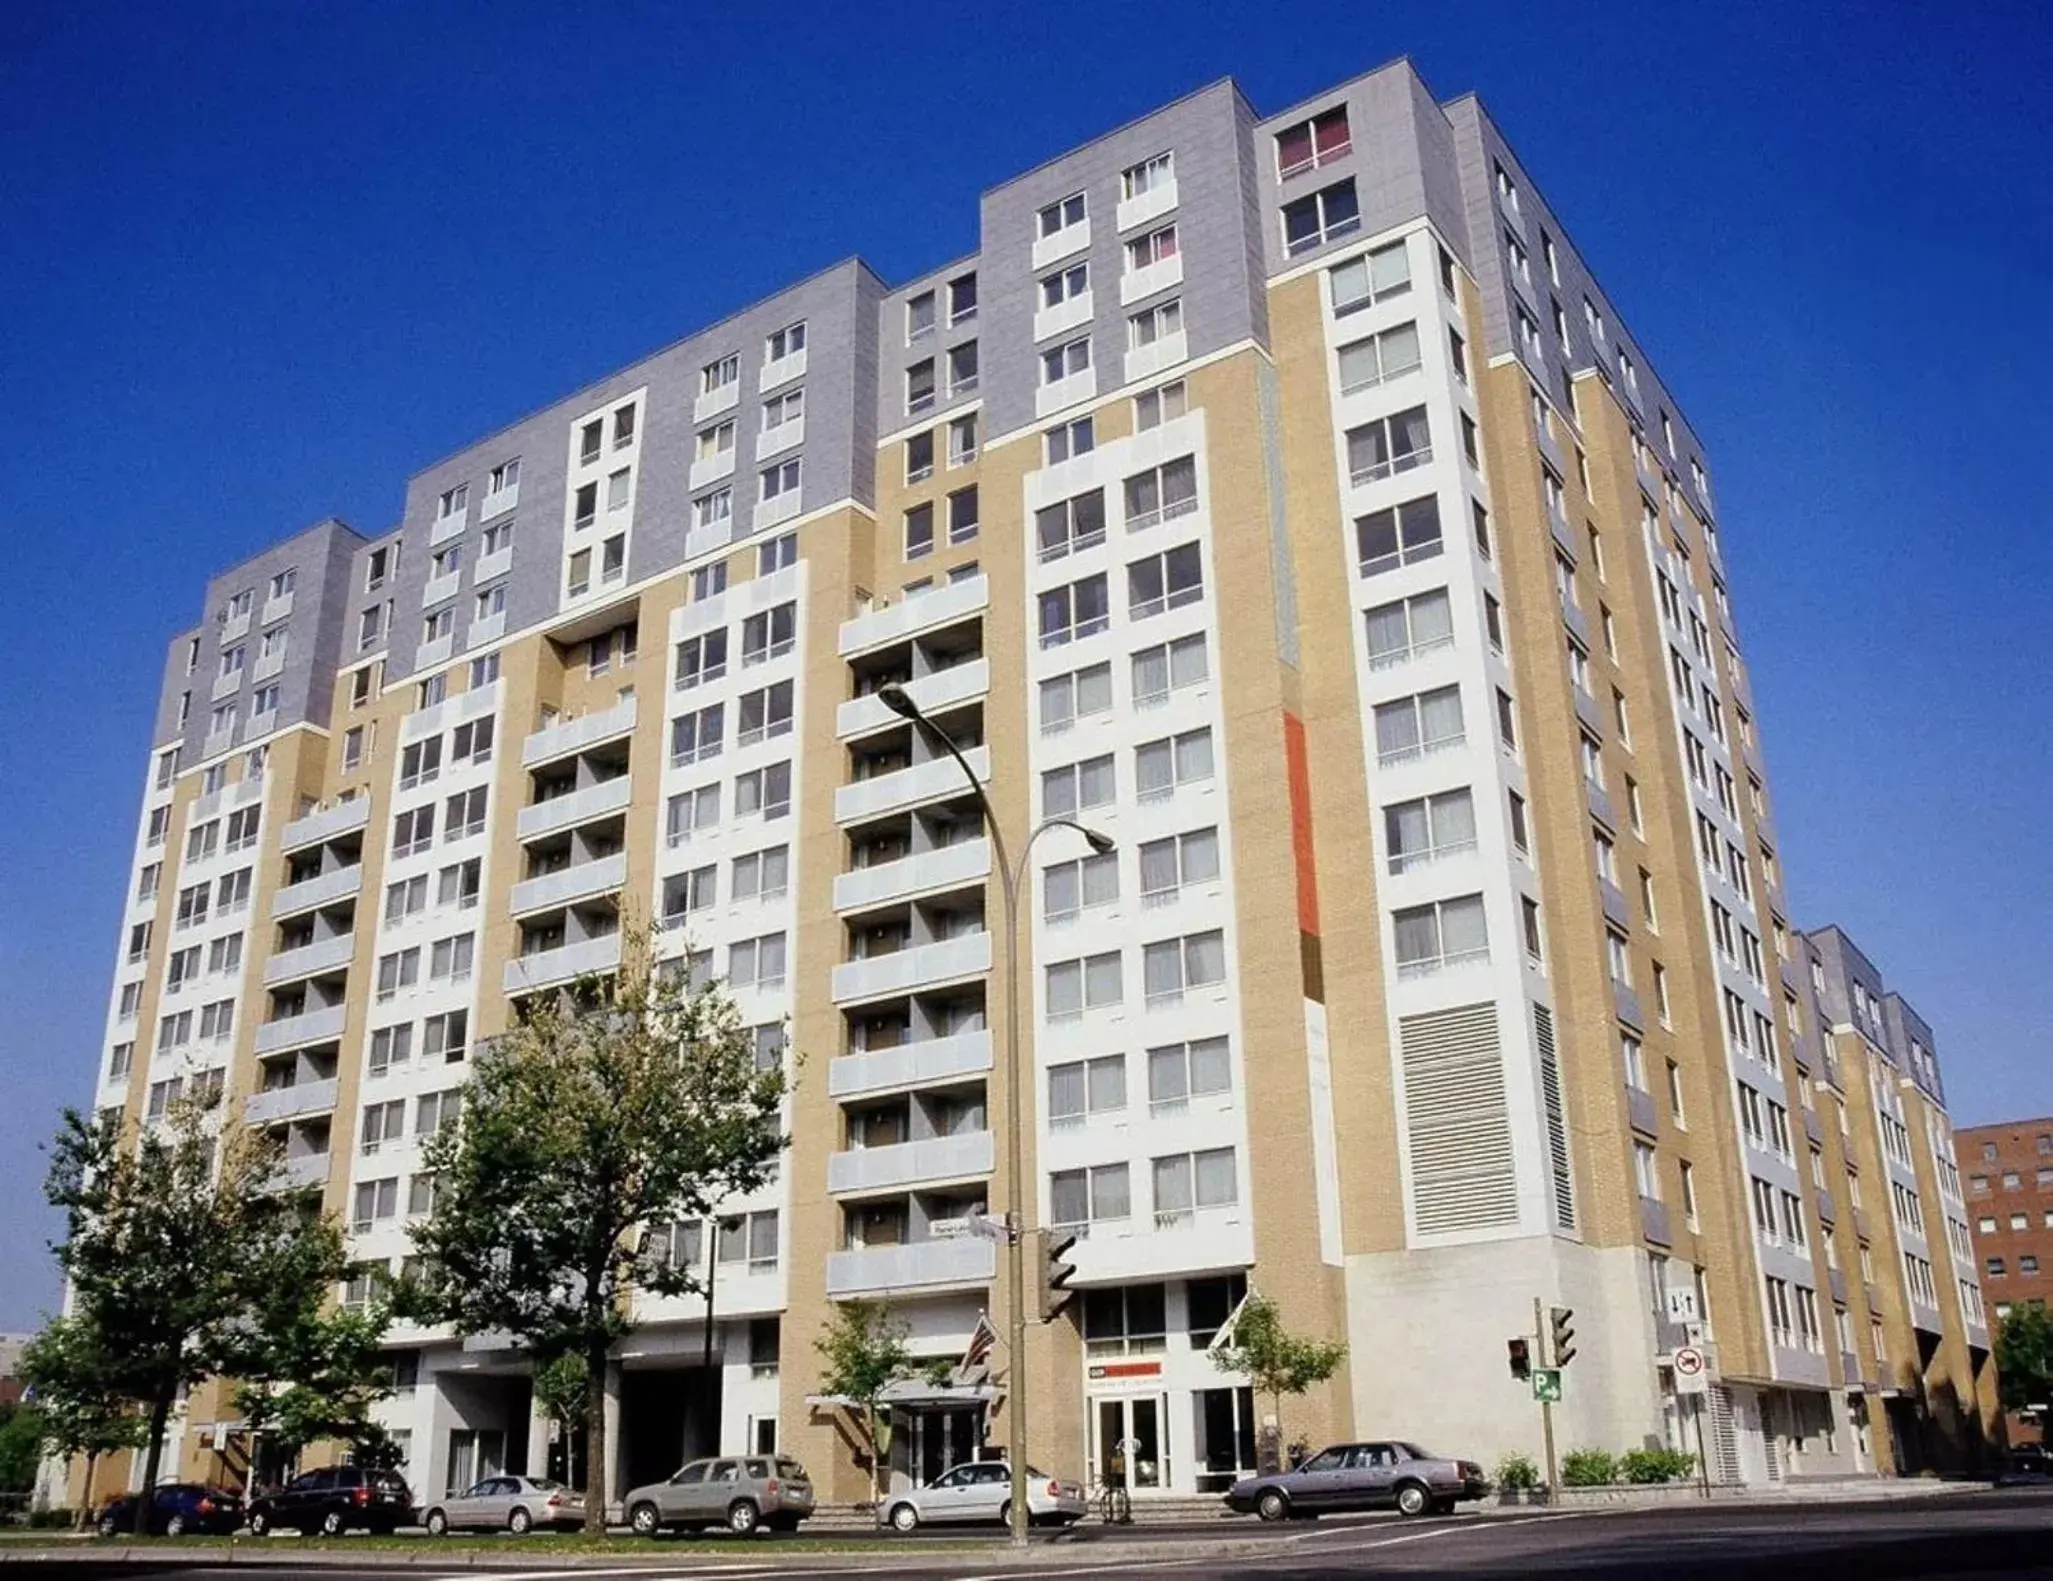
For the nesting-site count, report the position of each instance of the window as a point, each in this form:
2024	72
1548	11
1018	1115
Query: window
464	815
1418	726
774	554
1068	440
1161	493
785	342
919	386
1072	987
691	811
1399	536
1069	888
769	635
1324	216
701	659
962	515
780	480
1060	362
1156	246
1445	934
1081	609
757	963
420	763
761	875
685	893
1378	359
1070	525
696	736
1081	1197
1153	325
766	791
1161	767
406	897
1388	446
1082	1088
1153	408
457	885
962	368
710	511
1409	628
1059	217
717	376
1426	830
1309	144
400	969
1067	698
962	441
1378	277
1069	790
764	714
1170	864
1163	669
1165	581
1186	1183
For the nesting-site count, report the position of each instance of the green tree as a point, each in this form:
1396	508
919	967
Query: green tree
2024	1357
21	1440
318	1375
176	1240
862	1353
79	1405
604	1114
1275	1361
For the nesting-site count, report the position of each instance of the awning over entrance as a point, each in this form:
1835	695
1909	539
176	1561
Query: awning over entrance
911	1394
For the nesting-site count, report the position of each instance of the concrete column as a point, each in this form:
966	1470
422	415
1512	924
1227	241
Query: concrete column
539	1422
613	1465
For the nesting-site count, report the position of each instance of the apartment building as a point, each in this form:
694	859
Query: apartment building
2010	1200
1279	496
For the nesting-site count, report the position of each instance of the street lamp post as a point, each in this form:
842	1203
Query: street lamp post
1010	878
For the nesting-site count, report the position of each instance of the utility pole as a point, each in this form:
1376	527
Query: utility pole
1547	1359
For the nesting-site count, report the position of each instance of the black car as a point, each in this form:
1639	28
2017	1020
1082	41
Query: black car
333	1501
1361	1477
176	1509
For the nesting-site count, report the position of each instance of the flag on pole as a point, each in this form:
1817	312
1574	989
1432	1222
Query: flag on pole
978	1351
1224	1338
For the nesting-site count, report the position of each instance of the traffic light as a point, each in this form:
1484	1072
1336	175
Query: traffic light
1055	1274
1562	1334
1521	1358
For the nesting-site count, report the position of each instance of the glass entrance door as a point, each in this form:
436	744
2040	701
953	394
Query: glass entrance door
1225	1448
1130	1445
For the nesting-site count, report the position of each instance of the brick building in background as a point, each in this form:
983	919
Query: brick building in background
2010	1199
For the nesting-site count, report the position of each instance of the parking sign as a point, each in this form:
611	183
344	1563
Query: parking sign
1547	1385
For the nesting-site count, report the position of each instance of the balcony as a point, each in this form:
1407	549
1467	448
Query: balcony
580	806
914	614
1150	278
779	507
450	526
569	884
440	589
289	1103
779	370
1069	390
1144	362
575	735
711	469
945	868
921	966
267	665
782	437
712	403
916	1265
922	1163
310	960
307	1169
1070	239
934	692
226	686
908	787
1159	199
499	502
234	626
909	1065
546	968
326	823
1063	316
291	1032
1152	1246
489	567
434	652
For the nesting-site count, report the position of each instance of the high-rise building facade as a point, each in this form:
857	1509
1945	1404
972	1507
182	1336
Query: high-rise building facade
1282	498
2010	1200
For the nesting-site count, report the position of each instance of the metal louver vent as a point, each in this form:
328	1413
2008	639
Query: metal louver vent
1456	1121
1557	1120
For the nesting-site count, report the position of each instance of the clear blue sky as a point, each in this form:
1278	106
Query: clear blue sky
258	262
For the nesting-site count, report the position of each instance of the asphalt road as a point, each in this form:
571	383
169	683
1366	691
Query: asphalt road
1980	1535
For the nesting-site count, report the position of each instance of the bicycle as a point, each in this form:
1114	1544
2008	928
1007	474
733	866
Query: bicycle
1114	1507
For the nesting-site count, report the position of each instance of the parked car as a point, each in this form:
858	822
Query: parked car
981	1490
176	1509
739	1492
1361	1477
514	1504
334	1500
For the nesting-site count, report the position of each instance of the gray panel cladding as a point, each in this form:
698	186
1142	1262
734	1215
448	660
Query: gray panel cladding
834	306
895	352
318	560
1205	133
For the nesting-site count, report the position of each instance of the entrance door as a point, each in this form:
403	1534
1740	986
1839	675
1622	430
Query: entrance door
474	1455
1225	1449
943	1439
1130	1445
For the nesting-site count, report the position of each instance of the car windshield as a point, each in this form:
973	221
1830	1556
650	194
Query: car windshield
1413	1452
791	1471
544	1484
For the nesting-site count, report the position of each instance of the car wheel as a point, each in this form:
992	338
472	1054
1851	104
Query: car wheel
437	1523
332	1524
107	1526
643	1521
1273	1505
1412	1499
742	1518
520	1523
904	1518
259	1523
175	1527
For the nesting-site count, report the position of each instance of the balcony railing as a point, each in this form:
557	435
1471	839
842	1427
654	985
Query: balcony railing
580	806
291	1032
925	1162
934	692
546	968
290	1103
579	882
916	1265
908	787
327	823
951	865
918	967
909	1064
915	613
575	735
310	960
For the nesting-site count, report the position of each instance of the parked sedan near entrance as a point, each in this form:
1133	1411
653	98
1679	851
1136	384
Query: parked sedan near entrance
739	1492
981	1490
513	1504
1361	1477
176	1509
333	1500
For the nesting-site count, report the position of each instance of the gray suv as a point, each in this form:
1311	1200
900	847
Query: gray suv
739	1492
1361	1477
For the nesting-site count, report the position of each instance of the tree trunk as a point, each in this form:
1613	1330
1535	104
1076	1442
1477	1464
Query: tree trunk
85	1498
160	1412
876	1453
595	1438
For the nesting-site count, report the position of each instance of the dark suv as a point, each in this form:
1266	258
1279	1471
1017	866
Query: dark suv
333	1500
176	1508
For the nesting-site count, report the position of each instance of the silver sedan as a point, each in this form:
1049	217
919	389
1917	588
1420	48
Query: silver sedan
505	1503
981	1490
